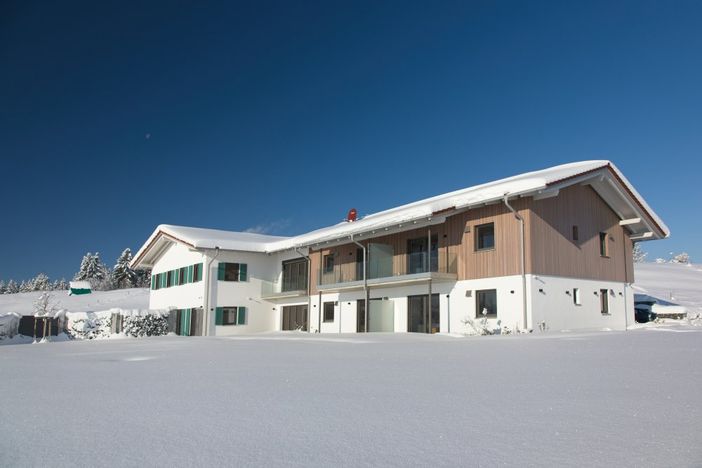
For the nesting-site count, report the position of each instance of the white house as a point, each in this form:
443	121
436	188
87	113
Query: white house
549	249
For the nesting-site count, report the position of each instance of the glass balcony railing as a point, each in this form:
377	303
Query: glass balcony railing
391	266
284	287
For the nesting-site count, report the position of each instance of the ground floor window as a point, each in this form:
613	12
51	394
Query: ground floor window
230	316
328	312
604	301
486	303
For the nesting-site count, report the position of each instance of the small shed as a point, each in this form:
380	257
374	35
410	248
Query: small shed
79	287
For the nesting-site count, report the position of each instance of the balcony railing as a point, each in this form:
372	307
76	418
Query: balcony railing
284	288
408	266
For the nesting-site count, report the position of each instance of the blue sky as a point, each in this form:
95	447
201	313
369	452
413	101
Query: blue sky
280	116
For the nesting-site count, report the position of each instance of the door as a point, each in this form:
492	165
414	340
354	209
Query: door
361	316
419	319
295	318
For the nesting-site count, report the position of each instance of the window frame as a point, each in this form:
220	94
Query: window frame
604	244
328	307
604	301
477	231
240	316
328	263
478	309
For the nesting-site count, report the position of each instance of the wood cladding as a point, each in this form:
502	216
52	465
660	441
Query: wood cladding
549	245
554	252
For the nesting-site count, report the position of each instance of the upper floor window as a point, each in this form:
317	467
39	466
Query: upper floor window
604	301
231	271
177	277
575	233
604	251
328	265
294	275
485	236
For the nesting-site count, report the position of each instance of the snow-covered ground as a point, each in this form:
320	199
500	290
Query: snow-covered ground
23	303
680	284
578	399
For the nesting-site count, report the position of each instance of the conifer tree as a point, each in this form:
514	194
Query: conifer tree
122	274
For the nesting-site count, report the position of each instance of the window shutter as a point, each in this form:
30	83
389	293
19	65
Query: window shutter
220	271
176	279
199	272
153	282
163	279
242	272
189	274
241	316
219	316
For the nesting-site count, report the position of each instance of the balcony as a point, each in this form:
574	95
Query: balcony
386	269
280	289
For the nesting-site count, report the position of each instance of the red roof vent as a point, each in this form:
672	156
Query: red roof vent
351	217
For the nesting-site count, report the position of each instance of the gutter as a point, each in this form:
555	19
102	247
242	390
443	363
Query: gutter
522	255
309	287
206	319
365	285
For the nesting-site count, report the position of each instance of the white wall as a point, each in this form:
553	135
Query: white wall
554	305
262	315
180	297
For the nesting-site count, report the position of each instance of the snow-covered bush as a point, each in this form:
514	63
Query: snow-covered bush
89	326
9	324
681	258
152	324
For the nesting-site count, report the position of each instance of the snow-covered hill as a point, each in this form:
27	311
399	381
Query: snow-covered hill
680	284
23	303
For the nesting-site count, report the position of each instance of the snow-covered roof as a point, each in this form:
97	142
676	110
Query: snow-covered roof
80	285
530	183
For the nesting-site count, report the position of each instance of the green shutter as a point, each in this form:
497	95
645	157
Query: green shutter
163	279
241	316
219	317
242	272
153	282
199	272
189	274
176	278
185	322
220	271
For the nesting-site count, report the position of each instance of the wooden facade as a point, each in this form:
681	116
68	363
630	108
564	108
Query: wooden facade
549	246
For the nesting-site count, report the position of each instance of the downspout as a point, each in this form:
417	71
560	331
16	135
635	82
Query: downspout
522	255
309	287
206	319
365	285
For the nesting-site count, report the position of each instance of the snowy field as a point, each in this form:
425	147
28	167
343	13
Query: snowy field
615	399
23	303
680	284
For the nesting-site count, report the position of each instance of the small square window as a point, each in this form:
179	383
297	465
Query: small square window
575	233
486	303
485	236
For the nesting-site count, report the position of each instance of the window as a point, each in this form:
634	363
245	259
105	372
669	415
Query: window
603	245
485	236
230	316
575	233
294	275
604	301
328	263
328	312
184	275
486	300
231	271
576	296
